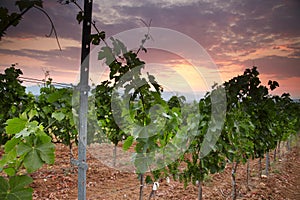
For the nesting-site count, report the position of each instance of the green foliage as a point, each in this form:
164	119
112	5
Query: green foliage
55	110
128	142
255	123
176	102
133	108
16	187
239	131
246	95
96	38
198	166
286	117
14	99
252	119
29	148
103	100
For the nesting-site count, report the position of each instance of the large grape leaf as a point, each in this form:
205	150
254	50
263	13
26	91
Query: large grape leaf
15	125
141	163
16	188
33	161
46	152
36	156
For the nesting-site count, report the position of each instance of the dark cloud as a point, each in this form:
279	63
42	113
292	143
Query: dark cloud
68	59
282	67
231	26
265	18
221	27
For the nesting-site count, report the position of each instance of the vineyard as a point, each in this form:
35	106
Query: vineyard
256	125
236	142
60	181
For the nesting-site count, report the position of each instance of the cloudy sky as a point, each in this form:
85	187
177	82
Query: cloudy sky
236	34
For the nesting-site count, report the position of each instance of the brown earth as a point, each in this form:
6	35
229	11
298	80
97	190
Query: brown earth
59	181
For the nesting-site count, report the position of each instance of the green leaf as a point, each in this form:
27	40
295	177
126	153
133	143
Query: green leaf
23	149
80	17
19	182
58	116
102	35
4	186
24	133
15	125
46	152
16	188
35	157
95	39
10	171
106	53
47	109
32	161
54	96
128	142
8	158
9	145
44	138
141	163
32	113
148	180
118	47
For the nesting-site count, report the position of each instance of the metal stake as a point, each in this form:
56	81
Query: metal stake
83	107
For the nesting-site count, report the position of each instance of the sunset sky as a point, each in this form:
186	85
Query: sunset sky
237	34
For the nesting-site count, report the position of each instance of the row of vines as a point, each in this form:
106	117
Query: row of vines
255	124
249	125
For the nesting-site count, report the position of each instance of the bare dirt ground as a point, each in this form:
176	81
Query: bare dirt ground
59	181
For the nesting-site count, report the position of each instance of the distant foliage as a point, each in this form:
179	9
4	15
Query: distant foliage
14	99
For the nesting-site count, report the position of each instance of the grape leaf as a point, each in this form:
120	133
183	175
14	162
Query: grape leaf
15	125
128	142
46	152
32	161
16	188
58	116
35	157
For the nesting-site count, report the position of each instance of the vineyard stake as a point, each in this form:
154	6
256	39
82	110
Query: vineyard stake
83	106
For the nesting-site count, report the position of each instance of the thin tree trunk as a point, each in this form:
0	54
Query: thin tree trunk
71	157
200	190
141	186
275	151
267	163
234	167
289	144
259	167
248	173
151	195
279	152
71	152
115	155
200	184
